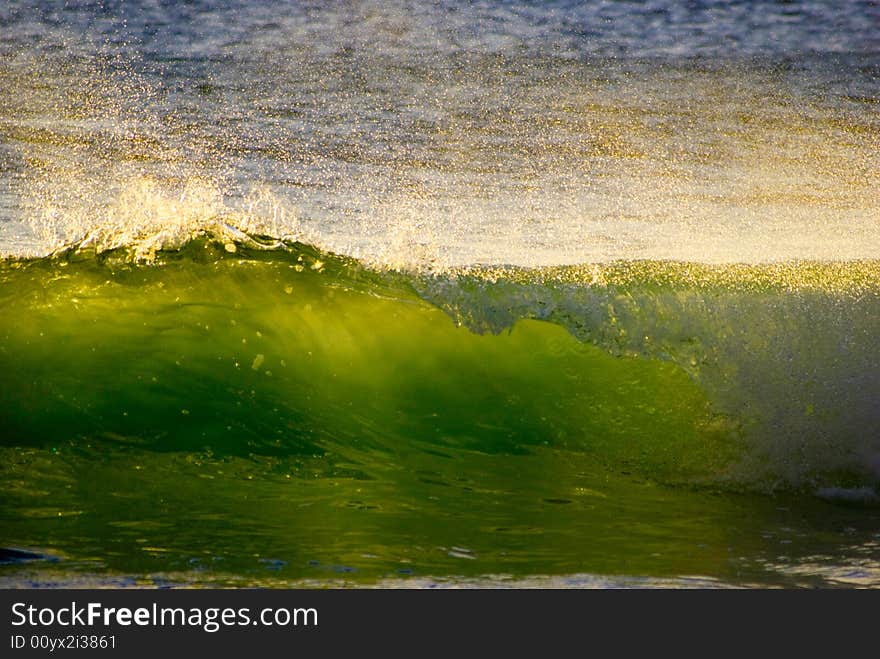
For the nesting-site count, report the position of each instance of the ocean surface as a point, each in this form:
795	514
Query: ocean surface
440	294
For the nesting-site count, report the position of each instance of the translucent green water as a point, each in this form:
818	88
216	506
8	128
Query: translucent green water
276	418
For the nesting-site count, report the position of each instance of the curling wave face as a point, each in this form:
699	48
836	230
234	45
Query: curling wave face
560	402
759	377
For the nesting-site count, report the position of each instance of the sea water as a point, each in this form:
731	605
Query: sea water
439	293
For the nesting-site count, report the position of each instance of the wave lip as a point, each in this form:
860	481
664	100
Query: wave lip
144	248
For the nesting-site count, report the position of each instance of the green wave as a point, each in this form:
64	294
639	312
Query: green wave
296	352
755	376
275	416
